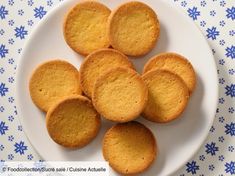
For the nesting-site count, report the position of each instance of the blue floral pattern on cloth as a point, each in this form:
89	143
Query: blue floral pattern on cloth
215	18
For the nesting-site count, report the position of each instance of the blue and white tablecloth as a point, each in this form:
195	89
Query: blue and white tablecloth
215	18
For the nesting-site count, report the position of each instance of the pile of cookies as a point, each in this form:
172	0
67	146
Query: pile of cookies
108	85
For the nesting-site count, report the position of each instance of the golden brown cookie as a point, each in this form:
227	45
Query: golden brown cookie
120	94
175	63
167	98
130	148
99	62
52	81
85	27
73	122
133	28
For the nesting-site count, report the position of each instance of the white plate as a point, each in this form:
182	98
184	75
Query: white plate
177	141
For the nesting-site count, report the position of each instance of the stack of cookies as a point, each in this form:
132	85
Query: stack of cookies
108	85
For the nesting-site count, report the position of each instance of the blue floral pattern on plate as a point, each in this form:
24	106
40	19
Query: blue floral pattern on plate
216	19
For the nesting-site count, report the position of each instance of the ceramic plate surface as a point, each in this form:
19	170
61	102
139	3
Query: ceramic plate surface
177	141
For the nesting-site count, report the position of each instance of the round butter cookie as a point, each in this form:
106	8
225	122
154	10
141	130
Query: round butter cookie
52	81
120	94
130	148
99	62
133	28
167	98
73	122
85	27
174	63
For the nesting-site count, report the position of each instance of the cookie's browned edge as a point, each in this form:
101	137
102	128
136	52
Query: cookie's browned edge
87	59
176	115
153	15
40	65
175	56
88	102
77	50
155	147
123	69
